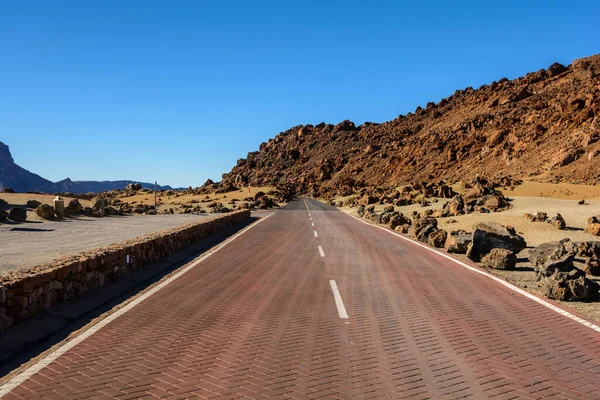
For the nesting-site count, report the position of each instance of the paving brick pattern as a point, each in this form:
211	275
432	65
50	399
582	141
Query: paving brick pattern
258	320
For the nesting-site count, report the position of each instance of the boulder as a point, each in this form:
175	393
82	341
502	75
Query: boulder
74	207
98	205
18	214
133	187
549	258
388	209
557	221
537	216
399	219
3	204
419	224
33	204
427	230
45	211
500	259
569	286
494	201
491	235
588	249
593	226
3	215
361	210
592	266
438	238
140	208
458	241
454	207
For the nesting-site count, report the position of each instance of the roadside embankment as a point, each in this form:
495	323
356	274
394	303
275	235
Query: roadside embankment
26	293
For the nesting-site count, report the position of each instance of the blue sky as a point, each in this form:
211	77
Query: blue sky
177	91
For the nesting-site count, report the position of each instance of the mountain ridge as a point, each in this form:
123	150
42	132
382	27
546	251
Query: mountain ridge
21	180
544	125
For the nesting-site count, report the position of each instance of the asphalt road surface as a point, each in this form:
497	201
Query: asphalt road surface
316	304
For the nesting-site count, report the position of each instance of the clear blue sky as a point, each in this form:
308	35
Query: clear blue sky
177	91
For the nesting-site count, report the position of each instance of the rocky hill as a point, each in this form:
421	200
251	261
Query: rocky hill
543	126
21	180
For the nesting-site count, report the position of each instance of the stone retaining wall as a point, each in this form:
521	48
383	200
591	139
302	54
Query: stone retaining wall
24	294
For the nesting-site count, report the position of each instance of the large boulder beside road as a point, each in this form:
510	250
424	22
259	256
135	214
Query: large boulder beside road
492	235
45	211
33	204
438	238
569	286
98	206
549	258
458	242
74	207
500	259
3	215
18	214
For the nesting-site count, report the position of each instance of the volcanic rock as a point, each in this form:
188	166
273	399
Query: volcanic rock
45	211
18	214
500	259
551	257
491	235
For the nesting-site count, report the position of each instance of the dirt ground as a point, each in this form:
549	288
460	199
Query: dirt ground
32	243
529	198
175	201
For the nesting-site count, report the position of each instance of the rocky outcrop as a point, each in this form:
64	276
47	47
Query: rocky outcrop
491	235
542	124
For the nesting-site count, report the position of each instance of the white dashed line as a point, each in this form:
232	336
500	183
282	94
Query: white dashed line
316	234
321	252
312	223
7	387
338	300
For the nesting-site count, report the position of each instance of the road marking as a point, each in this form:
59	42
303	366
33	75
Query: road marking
17	380
305	204
321	252
338	300
316	234
497	279
312	223
310	219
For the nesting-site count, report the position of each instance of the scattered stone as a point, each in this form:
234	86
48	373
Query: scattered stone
98	206
18	214
438	238
569	286
592	266
33	204
458	242
45	211
388	208
74	207
500	259
593	226
551	257
537	216
398	220
133	187
491	235
588	249
557	221
581	202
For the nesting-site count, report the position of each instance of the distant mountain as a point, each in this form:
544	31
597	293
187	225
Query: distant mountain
21	180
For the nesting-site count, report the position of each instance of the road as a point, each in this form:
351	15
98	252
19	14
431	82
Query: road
351	311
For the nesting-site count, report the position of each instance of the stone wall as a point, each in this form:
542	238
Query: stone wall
23	294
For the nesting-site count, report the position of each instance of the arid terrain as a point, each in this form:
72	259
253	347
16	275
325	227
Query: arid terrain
543	126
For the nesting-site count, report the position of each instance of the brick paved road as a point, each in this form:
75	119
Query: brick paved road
258	319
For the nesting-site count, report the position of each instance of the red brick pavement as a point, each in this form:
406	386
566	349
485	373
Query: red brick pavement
258	320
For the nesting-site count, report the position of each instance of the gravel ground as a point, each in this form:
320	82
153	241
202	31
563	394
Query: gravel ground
33	243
